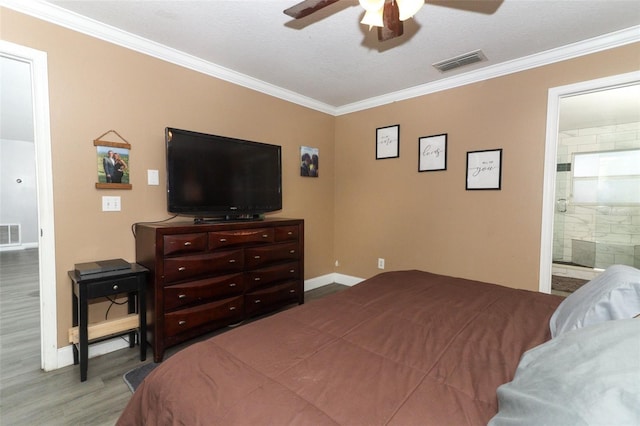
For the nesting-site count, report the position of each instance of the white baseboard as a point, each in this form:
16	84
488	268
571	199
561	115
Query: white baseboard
323	280
65	354
316	282
23	246
346	279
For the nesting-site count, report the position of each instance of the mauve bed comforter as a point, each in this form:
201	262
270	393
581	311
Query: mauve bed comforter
402	348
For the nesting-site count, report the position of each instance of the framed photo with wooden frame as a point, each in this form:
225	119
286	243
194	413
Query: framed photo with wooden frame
432	153
388	142
112	160
484	169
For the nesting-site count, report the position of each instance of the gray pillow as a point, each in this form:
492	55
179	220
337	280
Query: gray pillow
589	376
614	294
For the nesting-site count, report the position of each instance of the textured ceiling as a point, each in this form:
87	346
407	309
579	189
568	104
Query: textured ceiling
331	58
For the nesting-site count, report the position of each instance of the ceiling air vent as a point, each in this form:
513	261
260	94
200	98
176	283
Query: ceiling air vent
459	61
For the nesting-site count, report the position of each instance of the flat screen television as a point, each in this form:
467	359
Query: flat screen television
215	177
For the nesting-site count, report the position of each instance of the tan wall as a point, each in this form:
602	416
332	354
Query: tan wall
385	208
96	86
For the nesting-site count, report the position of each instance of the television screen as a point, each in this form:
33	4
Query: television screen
217	176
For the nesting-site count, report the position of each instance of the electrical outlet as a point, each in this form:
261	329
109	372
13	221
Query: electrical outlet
380	263
110	204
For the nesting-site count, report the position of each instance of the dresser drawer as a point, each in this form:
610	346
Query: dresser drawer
178	295
247	236
184	243
264	276
229	310
180	268
257	256
116	286
267	298
287	233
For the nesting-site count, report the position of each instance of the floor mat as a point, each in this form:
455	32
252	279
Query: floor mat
134	377
567	284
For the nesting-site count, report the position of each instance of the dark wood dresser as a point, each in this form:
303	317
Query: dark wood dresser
208	276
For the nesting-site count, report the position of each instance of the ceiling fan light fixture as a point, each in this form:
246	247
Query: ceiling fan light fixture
408	8
373	18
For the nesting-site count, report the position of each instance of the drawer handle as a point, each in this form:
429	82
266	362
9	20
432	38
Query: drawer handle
232	261
289	233
182	268
265	235
293	271
256	279
182	296
256	257
187	243
292	291
115	286
232	308
292	251
223	240
232	284
257	301
182	322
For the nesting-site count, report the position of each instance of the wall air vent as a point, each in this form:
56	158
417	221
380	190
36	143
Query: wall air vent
459	61
9	234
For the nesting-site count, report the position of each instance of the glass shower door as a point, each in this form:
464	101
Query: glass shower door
597	210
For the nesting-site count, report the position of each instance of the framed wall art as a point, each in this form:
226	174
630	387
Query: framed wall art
484	169
112	160
432	153
388	142
309	161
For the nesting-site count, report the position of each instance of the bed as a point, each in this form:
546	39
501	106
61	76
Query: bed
401	348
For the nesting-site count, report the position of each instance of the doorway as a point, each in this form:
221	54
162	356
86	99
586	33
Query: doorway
577	218
36	63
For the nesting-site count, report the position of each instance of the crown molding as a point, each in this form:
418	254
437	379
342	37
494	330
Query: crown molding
67	19
585	47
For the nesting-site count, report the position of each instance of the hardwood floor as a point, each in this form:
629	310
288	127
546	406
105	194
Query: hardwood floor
28	395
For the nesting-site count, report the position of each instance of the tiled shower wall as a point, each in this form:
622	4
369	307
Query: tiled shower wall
595	235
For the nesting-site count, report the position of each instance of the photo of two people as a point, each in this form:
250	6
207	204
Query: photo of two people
113	165
309	163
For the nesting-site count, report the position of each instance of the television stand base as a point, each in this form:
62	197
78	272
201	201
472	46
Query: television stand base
229	218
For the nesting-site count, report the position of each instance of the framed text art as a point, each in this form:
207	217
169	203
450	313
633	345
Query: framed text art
388	142
112	160
432	153
484	169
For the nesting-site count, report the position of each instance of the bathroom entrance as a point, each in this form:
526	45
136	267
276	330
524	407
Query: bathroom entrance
596	219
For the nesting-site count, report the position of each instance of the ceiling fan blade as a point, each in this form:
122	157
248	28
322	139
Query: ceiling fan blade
307	7
393	26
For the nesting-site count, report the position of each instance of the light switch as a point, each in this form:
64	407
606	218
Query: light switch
153	177
110	204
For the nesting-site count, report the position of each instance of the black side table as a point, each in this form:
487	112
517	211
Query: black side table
131	281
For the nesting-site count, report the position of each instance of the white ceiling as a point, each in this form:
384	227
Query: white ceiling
329	61
331	58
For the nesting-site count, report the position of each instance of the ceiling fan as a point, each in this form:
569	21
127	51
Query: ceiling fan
386	15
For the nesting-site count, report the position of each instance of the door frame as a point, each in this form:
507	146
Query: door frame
37	61
550	160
